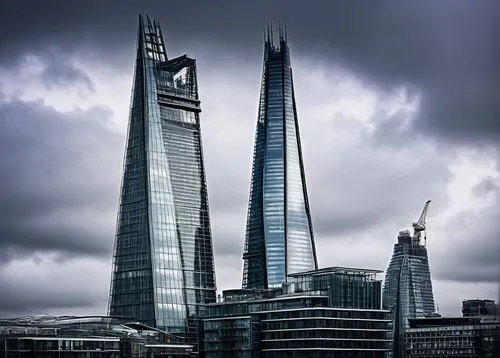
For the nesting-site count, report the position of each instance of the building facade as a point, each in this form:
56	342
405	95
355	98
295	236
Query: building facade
279	236
408	287
478	307
464	337
332	312
163	265
86	337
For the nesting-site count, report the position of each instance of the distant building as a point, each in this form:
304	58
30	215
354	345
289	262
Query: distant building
163	263
408	280
89	337
279	237
479	307
408	285
315	314
467	337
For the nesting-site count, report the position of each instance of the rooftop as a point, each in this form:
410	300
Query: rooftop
450	321
105	325
336	269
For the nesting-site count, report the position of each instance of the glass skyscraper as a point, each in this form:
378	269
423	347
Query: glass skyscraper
408	287
163	266
279	236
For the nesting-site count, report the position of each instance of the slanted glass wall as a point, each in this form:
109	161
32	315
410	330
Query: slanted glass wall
163	272
279	238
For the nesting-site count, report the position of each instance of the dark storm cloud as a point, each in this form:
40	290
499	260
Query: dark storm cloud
49	164
19	301
60	72
29	287
447	49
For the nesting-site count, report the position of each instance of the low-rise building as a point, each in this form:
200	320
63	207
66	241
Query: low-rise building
478	307
47	337
467	337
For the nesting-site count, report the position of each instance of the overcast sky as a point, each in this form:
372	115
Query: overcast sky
398	103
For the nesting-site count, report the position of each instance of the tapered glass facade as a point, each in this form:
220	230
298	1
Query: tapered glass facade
279	237
408	287
163	267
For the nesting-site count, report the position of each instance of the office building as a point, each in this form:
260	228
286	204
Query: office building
464	337
408	286
279	236
89	337
330	312
477	307
163	265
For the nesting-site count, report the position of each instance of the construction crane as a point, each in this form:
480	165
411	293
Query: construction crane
419	226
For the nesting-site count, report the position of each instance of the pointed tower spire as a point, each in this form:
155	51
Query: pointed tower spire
272	30
285	30
268	32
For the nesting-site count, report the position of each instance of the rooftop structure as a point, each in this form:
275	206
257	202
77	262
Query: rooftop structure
338	269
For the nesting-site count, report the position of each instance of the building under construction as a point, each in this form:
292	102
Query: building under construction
408	287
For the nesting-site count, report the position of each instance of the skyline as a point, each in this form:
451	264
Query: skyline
367	176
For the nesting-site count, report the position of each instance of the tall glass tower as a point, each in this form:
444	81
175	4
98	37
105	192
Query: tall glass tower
279	236
163	266
408	287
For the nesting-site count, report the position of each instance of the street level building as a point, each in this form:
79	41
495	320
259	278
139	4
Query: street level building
330	312
279	237
86	337
163	264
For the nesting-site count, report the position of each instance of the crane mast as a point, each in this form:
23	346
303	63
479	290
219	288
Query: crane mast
419	226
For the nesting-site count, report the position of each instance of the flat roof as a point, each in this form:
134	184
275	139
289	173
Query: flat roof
335	269
427	322
62	322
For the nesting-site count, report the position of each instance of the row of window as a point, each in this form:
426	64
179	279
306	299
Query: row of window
319	332
324	343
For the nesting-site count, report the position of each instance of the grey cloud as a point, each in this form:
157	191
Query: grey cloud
70	287
19	302
472	252
485	187
228	235
447	50
57	192
370	185
59	71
